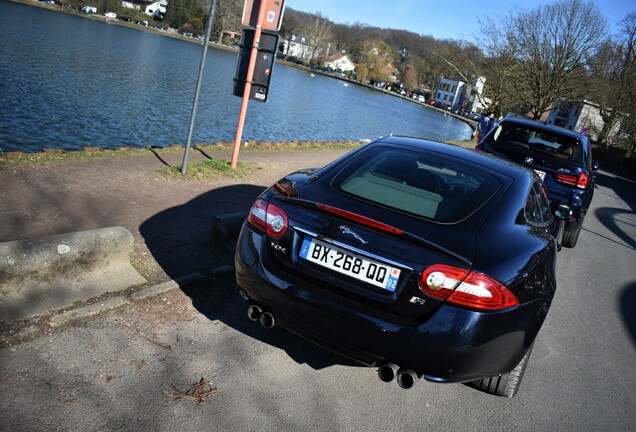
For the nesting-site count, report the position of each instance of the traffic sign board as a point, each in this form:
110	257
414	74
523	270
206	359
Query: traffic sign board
265	61
274	10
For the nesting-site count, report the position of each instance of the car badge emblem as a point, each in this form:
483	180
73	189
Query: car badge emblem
347	230
529	160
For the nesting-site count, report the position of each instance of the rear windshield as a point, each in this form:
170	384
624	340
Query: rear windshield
517	137
422	184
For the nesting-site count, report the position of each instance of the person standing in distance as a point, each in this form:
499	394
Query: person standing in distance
485	124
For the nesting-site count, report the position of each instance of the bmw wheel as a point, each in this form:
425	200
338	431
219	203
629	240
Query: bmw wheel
571	235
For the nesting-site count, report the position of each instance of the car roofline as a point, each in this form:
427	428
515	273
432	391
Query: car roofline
500	166
546	126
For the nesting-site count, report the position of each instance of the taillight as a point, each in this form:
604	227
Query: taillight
471	289
268	218
363	220
579	181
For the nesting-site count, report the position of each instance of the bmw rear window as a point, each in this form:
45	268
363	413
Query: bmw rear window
422	184
551	144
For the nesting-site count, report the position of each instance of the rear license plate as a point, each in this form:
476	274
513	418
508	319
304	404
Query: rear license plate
358	267
541	174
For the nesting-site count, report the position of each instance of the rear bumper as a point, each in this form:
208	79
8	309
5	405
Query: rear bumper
450	345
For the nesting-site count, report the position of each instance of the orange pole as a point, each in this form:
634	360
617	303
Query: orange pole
248	84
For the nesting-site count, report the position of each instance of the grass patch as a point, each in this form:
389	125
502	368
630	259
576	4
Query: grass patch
59	157
55	157
212	168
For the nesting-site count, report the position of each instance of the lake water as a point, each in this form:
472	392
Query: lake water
69	82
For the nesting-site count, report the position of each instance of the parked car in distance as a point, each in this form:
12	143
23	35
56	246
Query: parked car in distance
474	116
111	15
125	19
89	9
419	258
562	158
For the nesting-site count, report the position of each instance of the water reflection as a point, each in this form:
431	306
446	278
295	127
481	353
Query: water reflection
69	82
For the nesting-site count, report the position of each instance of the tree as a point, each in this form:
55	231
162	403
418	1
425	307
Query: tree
179	13
317	31
409	77
227	16
375	55
612	75
465	61
290	26
550	47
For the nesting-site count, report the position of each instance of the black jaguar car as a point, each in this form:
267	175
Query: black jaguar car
562	158
422	259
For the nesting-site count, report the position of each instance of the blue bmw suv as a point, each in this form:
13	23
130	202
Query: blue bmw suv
561	157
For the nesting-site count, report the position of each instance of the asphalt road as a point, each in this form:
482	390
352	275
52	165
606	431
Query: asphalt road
112	372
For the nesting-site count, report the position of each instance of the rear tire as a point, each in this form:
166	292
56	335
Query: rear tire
570	237
506	385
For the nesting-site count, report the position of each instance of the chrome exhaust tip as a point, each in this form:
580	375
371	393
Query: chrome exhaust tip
406	378
267	320
387	372
254	312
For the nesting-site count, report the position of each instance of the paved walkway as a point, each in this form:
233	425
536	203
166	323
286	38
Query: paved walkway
170	218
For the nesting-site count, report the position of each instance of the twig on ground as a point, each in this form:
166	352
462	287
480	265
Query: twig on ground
200	392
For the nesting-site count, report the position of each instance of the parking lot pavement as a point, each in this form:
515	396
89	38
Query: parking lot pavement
131	367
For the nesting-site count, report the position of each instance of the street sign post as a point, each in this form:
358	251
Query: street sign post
261	14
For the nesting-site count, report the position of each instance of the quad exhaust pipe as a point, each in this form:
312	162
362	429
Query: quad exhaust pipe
406	378
387	372
256	313
267	320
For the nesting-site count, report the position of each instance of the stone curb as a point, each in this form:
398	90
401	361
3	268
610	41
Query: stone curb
48	273
118	301
115	302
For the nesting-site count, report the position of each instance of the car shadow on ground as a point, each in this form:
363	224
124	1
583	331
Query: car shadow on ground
179	240
628	309
616	219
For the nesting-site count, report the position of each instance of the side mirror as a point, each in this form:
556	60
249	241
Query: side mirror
563	211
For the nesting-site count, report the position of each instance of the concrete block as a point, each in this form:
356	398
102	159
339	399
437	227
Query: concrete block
54	272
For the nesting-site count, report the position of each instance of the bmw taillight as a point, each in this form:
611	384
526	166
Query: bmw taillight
470	289
581	181
268	218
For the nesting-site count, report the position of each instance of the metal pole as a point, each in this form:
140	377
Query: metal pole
248	83
208	31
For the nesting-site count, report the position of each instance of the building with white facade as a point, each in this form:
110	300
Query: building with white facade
459	94
130	5
297	46
580	116
156	8
342	63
